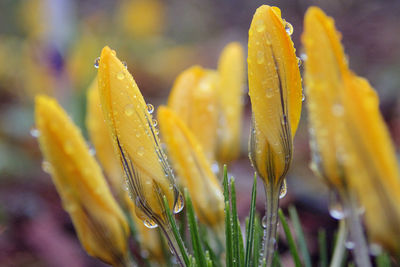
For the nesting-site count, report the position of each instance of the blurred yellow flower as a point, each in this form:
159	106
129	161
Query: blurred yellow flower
98	220
364	155
194	98
142	18
230	94
275	93
192	167
148	174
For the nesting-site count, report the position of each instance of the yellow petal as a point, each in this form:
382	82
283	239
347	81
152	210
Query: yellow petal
275	93
230	94
148	175
98	220
101	139
192	167
325	66
194	99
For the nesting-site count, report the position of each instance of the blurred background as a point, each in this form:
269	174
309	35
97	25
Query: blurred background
49	47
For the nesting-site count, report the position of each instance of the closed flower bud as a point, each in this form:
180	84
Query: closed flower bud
98	220
230	100
275	93
134	134
194	98
357	151
193	169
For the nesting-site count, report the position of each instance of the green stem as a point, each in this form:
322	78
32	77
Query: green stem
340	248
269	223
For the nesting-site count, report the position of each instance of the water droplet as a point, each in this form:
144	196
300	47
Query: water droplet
92	151
149	224
337	110
303	97
179	204
264	222
283	191
34	132
335	207
113	52
260	57
299	62
125	65
260	25
155	122
303	56
140	151
120	75
129	109
156	131
97	62
349	244
288	28
46	167
270	92
150	108
137	135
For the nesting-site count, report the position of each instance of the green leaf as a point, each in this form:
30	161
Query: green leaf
258	235
289	237
194	232
175	231
300	236
235	226
383	260
228	235
323	250
250	225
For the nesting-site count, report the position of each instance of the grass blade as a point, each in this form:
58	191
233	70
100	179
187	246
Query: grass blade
294	217
289	237
250	227
258	235
194	232
323	250
235	225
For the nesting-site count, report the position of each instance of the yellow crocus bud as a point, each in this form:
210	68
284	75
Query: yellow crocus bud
194	98
230	94
98	220
276	96
192	167
100	136
275	93
364	156
135	139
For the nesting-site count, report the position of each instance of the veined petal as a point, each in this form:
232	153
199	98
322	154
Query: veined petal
275	93
230	94
149	176
98	220
194	99
192	167
325	67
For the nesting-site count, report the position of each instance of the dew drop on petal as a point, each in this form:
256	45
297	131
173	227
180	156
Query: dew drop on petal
34	132
260	57
120	75
46	167
154	122
97	62
288	28
149	224
335	207
178	207
150	108
283	191
125	65
270	92
299	62
337	110
140	151
303	97
129	109
260	25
